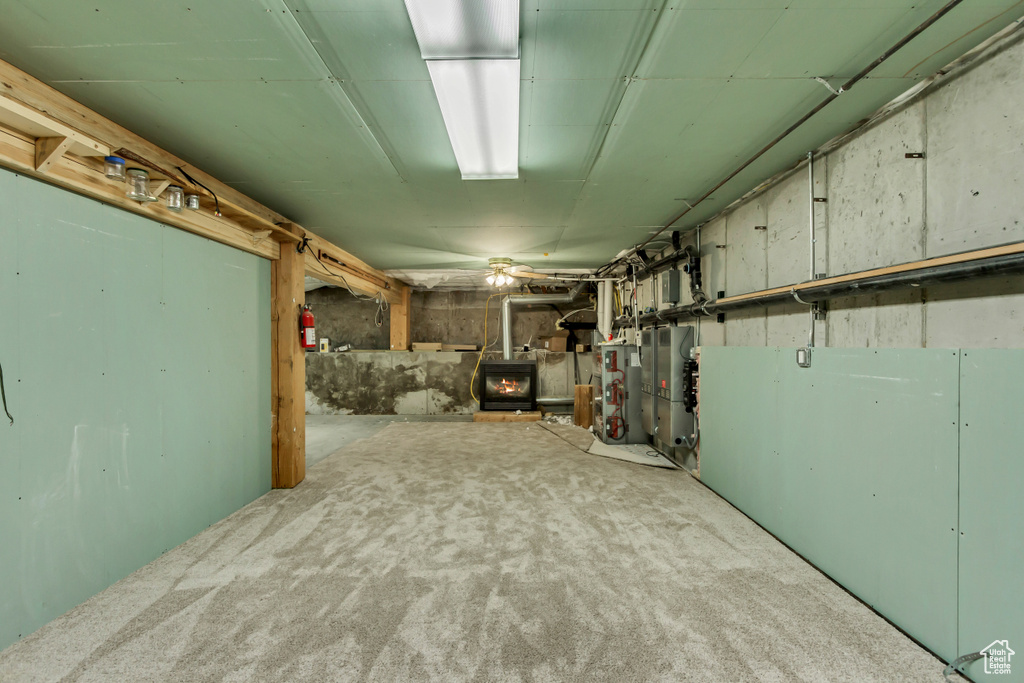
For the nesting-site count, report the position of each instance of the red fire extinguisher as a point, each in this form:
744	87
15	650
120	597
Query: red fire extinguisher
307	329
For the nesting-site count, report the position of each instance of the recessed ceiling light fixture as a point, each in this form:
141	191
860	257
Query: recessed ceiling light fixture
472	52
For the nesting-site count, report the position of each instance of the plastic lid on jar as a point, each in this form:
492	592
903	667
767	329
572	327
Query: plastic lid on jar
114	160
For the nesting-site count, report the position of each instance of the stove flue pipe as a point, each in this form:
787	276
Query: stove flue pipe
525	300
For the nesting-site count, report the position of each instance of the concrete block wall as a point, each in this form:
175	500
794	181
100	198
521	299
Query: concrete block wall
447	317
882	209
428	383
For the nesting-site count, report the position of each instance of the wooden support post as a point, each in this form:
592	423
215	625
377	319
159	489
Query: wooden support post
401	327
289	369
583	410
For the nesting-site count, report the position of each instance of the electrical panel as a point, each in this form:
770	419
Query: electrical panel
619	396
670	286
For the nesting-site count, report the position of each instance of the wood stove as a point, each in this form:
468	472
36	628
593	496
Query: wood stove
507	385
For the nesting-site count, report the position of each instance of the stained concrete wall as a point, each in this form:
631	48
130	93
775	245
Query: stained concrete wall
447	317
883	208
430	383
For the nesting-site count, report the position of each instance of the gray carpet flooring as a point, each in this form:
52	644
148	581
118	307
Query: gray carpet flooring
475	552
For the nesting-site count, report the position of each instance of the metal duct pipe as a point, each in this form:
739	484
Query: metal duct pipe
984	263
527	299
555	400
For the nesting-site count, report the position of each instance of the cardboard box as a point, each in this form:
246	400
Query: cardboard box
460	347
424	346
583	348
559	341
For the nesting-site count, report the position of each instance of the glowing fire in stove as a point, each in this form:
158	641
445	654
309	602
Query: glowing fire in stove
507	387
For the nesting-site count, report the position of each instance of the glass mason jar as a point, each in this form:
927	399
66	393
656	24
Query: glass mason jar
175	199
138	185
113	168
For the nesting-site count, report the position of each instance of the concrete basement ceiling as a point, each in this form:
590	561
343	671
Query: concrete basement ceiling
324	111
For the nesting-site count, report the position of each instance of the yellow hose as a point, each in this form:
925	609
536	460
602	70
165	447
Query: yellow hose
483	348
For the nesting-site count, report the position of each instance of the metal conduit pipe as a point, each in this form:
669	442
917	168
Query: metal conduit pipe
524	300
897	277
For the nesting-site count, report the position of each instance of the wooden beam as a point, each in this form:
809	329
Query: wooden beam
1005	250
30	108
288	383
401	321
25	89
35	124
48	150
85	176
335	263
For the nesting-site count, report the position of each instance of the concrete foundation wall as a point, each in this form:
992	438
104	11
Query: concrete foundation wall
447	317
430	383
884	208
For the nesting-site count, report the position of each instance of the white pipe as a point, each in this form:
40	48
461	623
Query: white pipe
810	201
604	305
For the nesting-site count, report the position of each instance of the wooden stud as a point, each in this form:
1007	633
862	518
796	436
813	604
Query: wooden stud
288	402
48	151
583	408
401	323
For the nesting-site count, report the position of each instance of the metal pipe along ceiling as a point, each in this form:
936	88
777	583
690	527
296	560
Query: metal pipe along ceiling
984	263
943	11
524	300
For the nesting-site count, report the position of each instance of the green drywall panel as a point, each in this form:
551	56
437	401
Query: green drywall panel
991	506
739	406
136	360
852	463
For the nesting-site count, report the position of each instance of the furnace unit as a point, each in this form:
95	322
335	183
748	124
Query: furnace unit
667	391
673	424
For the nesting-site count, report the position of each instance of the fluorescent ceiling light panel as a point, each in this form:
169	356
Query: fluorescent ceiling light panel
479	101
466	29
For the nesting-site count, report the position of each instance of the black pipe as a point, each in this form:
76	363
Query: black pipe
667	261
948	7
953	272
